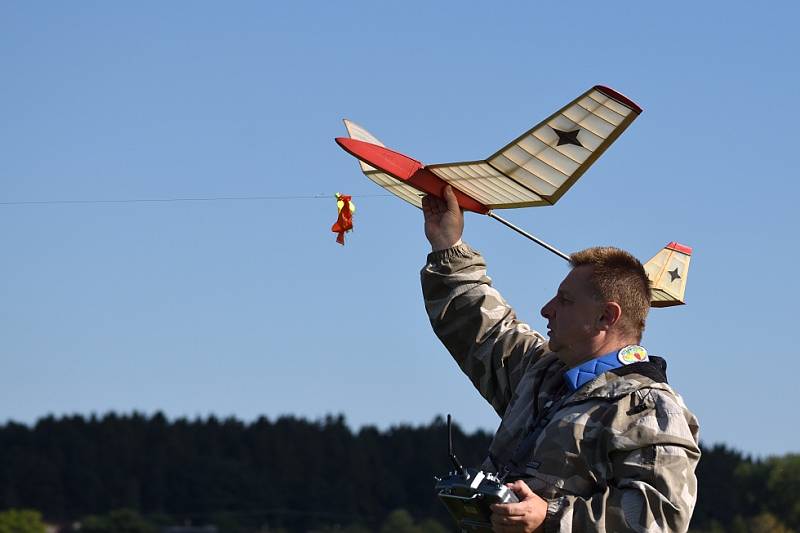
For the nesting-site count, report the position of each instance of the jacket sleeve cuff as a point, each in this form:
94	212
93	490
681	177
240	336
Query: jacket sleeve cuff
459	250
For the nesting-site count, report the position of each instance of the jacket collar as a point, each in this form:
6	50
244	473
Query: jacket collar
624	380
582	374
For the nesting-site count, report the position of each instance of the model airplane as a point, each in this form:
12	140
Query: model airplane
535	169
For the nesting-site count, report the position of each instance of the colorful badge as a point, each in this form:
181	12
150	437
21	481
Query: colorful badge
632	354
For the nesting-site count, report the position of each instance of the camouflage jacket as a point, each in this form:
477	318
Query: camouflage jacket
616	455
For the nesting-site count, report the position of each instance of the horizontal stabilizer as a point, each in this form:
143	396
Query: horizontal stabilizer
668	272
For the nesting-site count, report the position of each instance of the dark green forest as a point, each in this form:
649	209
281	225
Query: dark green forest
292	474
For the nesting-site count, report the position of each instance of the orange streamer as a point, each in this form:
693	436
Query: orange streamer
344	222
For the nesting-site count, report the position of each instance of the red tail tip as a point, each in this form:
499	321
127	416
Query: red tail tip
678	247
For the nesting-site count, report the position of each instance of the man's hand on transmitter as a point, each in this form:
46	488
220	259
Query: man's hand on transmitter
444	220
527	516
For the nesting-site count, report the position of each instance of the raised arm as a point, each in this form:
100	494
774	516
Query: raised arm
476	325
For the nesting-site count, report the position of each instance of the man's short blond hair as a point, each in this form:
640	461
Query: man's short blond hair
618	276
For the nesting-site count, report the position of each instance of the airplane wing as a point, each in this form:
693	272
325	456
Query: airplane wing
540	165
668	271
406	192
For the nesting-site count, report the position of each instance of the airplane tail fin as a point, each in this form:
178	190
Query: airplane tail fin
668	271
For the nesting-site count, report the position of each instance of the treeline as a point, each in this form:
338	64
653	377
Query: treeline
302	475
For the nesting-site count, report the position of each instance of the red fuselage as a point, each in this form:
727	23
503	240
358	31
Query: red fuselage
407	170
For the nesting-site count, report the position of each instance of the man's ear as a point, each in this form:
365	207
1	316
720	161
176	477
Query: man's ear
611	313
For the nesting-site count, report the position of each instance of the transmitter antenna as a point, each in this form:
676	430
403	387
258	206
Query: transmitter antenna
453	458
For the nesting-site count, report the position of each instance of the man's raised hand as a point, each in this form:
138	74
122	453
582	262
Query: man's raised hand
444	220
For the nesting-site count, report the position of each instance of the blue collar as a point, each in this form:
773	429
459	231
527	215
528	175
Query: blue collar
583	374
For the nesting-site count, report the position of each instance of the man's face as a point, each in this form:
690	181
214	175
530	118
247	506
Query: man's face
573	313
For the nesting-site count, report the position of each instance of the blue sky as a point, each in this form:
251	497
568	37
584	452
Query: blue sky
249	307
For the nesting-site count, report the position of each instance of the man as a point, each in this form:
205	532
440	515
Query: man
591	433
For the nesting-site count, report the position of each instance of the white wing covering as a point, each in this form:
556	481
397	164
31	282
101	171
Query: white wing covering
539	166
406	192
668	271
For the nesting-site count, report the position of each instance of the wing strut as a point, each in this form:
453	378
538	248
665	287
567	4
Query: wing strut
528	235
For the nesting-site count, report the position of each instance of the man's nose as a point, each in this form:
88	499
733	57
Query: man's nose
546	310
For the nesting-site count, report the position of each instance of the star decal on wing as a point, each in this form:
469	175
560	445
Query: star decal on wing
673	274
568	137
